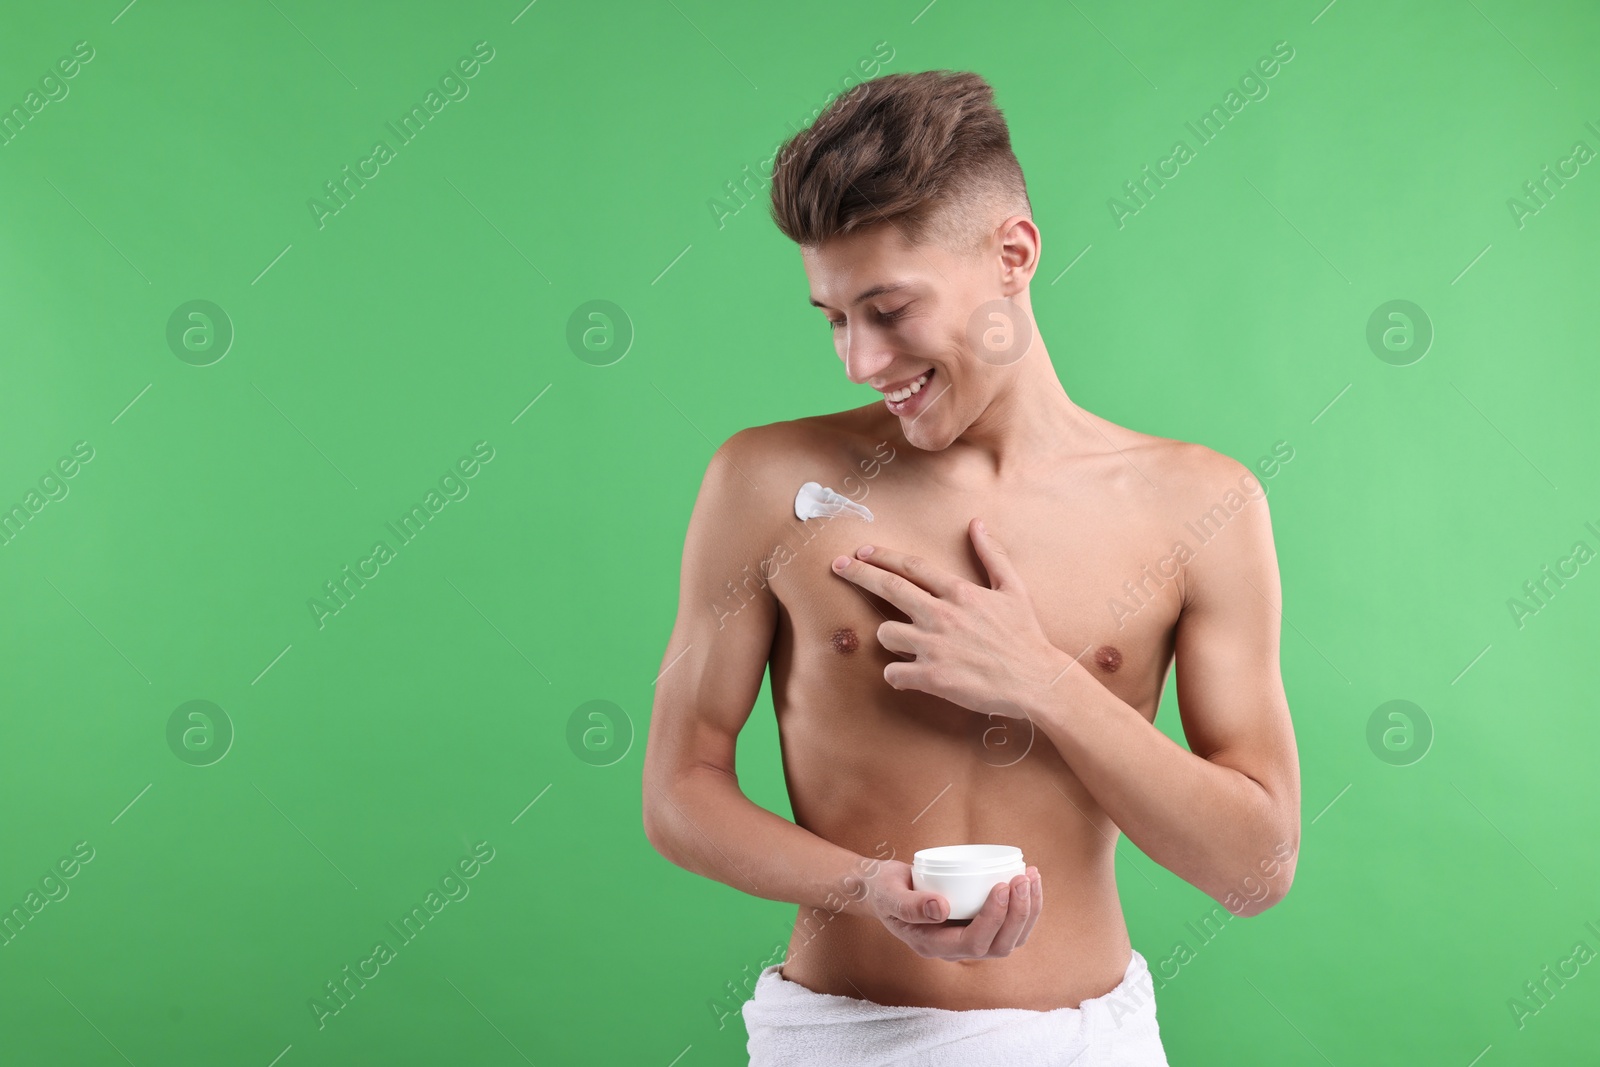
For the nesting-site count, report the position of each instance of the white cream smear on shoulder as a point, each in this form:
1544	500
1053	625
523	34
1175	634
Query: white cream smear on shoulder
815	501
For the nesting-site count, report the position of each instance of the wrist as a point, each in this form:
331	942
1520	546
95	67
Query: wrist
851	892
860	887
1058	676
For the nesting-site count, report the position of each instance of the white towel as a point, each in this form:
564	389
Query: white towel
792	1025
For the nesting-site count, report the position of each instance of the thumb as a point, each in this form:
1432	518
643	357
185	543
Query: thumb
996	560
922	907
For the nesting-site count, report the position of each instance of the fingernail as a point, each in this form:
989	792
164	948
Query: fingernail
1005	894
841	563
1022	890
932	909
864	551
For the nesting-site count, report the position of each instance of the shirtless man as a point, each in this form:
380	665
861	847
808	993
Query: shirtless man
990	672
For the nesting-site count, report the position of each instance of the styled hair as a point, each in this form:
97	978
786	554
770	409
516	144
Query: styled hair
928	153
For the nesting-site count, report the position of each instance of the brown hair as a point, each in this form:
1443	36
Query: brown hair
928	153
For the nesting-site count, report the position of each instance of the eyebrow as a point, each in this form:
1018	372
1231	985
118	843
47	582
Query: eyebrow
868	294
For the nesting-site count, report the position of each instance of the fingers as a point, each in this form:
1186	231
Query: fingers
1003	924
1019	917
903	593
896	637
916	569
942	941
980	935
1038	902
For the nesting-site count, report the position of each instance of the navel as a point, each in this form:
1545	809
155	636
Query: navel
1108	658
845	641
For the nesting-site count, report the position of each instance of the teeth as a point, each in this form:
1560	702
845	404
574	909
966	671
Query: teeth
910	390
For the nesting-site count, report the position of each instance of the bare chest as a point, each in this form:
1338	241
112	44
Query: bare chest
1097	561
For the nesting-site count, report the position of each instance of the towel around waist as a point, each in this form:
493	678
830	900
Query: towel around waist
790	1024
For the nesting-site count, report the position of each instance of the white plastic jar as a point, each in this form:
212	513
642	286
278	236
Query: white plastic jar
964	874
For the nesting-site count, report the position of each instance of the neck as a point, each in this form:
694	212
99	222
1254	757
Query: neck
1030	423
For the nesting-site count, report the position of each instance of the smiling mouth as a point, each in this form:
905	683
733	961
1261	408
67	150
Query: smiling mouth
901	399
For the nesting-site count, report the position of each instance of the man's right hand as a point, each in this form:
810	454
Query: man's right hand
919	917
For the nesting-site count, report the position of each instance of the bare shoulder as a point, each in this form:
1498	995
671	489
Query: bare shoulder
1185	471
1175	469
1223	504
1212	473
822	448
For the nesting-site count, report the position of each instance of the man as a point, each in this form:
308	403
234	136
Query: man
990	672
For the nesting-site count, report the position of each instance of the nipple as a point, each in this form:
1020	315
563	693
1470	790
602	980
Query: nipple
1108	658
815	501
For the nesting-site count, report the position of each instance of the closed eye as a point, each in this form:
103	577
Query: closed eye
884	316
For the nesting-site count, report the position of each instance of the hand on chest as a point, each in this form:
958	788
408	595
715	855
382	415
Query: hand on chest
1070	575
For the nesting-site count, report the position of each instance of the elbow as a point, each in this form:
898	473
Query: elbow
1264	895
658	824
651	816
656	832
1251	907
652	831
1283	891
662	807
1265	883
661	813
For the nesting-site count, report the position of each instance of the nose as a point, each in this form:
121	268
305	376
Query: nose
866	352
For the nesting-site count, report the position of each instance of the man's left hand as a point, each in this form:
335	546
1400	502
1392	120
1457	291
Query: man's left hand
975	647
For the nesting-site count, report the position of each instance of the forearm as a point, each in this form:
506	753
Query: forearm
1211	825
704	823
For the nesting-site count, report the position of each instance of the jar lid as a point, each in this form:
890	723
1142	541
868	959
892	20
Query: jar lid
966	859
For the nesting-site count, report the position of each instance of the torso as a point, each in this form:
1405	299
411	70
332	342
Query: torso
885	772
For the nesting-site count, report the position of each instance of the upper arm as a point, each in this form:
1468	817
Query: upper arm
1230	689
717	655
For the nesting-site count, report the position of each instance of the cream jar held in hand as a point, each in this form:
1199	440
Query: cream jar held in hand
964	874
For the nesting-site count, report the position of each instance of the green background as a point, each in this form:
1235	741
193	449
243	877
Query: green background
363	757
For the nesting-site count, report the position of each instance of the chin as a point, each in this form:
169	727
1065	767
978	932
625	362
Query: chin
928	438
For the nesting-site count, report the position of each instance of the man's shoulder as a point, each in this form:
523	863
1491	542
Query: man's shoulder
1183	465
1180	475
811	443
1172	464
1204	467
755	473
